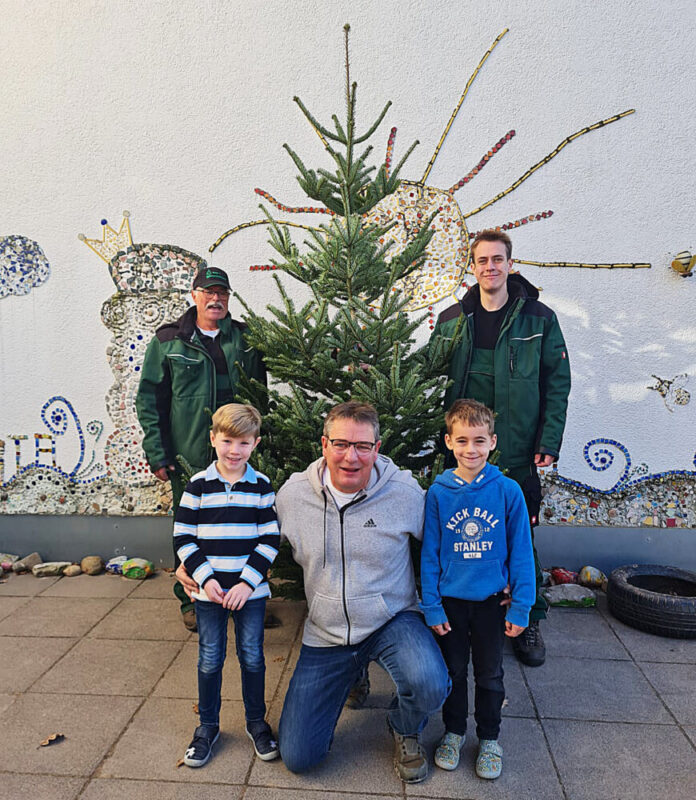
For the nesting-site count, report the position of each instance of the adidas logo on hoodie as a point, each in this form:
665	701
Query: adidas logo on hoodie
370	523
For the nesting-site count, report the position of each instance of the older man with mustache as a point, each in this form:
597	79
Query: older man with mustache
191	368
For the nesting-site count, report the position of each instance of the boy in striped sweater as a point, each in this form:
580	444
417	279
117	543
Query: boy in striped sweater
226	535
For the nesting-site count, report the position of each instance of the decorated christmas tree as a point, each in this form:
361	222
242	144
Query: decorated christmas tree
352	339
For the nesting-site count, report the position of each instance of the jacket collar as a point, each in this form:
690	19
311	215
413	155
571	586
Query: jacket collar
187	324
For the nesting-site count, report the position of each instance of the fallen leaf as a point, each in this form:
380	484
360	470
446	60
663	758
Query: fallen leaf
279	658
195	708
54	737
180	763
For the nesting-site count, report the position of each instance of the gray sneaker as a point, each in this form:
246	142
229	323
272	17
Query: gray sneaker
410	761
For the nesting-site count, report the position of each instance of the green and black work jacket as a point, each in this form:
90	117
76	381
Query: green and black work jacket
531	372
178	383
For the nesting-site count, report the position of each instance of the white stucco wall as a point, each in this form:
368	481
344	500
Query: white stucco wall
176	110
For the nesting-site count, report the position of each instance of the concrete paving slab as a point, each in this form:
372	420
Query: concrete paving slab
90	725
109	667
580	689
648	647
159	586
24	659
690	731
528	771
676	685
291	614
361	757
103	585
6	701
158	736
580	634
10	604
641	762
110	789
24	585
181	679
260	793
56	616
143	619
39	787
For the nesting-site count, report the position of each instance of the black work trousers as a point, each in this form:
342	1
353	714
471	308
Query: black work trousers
479	627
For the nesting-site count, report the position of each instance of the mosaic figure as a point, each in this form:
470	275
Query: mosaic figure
23	265
672	391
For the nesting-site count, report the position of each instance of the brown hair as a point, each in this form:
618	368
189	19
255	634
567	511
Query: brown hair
470	412
492	235
359	412
237	420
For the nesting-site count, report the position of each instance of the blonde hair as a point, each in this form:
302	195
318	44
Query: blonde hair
470	412
237	420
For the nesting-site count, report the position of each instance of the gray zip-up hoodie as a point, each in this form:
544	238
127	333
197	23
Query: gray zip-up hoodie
357	562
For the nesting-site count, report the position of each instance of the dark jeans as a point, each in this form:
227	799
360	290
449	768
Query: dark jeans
212	648
478	627
324	676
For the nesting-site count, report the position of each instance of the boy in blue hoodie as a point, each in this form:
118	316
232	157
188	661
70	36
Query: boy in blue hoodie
476	543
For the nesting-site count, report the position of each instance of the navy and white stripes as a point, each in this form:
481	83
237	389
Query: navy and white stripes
228	532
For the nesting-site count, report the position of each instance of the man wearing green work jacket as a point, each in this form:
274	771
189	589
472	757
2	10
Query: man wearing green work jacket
513	358
191	368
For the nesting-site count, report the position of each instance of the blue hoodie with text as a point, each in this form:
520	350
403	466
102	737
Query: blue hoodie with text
476	541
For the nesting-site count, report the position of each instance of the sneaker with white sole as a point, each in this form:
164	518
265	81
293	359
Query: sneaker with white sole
265	746
489	762
201	747
447	753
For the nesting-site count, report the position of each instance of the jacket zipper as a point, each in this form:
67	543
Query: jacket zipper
343	564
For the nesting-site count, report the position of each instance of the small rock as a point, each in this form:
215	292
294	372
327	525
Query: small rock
72	570
591	577
115	565
7	560
92	565
49	568
26	563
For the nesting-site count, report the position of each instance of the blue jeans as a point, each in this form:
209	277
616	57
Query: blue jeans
404	647
212	649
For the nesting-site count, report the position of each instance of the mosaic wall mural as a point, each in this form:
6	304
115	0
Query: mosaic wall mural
414	202
108	475
23	265
637	498
152	286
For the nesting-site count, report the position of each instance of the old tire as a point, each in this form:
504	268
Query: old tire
655	599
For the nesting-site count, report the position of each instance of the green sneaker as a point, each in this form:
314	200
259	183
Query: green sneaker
447	753
489	763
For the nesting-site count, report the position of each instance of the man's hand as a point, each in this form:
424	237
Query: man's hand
442	629
186	580
543	459
512	630
237	596
162	473
214	591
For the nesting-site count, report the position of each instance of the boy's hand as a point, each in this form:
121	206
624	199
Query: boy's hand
442	629
237	596
512	630
214	591
508	597
186	581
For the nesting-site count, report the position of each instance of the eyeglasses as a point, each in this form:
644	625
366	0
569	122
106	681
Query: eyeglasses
343	446
215	292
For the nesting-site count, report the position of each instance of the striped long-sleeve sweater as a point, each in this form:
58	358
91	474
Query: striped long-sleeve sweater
228	532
